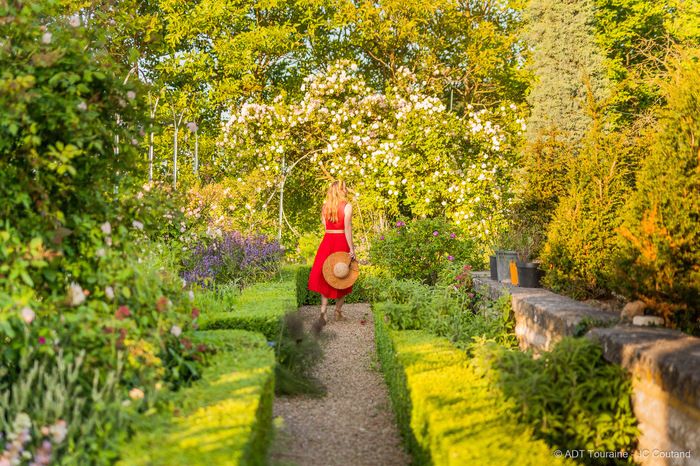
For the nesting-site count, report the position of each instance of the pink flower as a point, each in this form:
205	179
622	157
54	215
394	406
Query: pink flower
435	233
450	258
195	312
46	38
42	340
122	313
27	314
453	236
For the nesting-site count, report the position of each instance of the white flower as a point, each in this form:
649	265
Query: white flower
192	126
58	431
46	38
138	225
175	330
101	252
106	228
109	292
27	314
131	95
82	106
76	296
74	21
191	295
136	394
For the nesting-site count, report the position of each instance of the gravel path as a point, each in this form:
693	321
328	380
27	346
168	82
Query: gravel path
353	424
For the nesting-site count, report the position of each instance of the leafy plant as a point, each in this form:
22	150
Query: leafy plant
571	396
419	249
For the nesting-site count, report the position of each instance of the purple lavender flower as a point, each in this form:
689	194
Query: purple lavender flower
234	257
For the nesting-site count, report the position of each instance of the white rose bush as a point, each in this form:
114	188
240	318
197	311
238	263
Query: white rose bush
402	152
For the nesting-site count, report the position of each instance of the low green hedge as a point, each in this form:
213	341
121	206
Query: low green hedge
448	413
223	419
259	308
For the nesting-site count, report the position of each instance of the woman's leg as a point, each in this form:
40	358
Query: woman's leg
324	305
338	308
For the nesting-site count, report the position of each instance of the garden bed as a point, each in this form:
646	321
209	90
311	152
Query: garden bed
248	313
223	419
447	412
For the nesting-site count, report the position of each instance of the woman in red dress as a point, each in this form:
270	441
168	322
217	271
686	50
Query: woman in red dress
336	217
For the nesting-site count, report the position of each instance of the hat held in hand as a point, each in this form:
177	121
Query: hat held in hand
340	270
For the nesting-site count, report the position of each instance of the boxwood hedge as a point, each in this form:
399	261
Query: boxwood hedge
224	419
447	412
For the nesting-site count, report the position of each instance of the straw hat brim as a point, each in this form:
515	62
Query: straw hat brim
337	282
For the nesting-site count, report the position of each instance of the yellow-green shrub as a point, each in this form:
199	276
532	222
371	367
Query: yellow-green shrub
581	238
223	419
448	413
659	260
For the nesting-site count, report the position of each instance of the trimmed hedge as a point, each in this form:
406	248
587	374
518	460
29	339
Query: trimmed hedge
223	419
448	413
259	308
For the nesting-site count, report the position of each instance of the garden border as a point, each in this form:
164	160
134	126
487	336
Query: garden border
421	371
664	364
225	418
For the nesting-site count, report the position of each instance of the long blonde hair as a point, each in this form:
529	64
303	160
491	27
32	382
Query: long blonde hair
337	193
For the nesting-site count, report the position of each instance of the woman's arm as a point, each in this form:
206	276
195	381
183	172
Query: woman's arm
348	228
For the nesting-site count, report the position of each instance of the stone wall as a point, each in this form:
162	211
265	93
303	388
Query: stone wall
664	365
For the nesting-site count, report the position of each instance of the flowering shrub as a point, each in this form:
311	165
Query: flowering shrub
401	150
420	249
234	258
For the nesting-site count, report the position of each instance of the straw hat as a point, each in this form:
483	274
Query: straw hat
340	270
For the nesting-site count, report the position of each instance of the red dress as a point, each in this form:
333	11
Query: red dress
331	242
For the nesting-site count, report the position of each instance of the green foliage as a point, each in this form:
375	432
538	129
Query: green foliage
66	131
567	72
308	246
659	259
448	412
419	249
226	418
461	317
571	396
578	260
258	308
542	183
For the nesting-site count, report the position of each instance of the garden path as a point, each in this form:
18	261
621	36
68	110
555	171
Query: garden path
352	425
